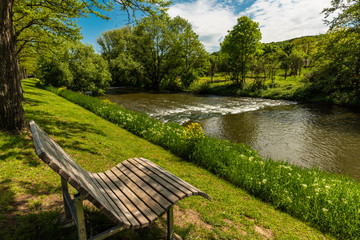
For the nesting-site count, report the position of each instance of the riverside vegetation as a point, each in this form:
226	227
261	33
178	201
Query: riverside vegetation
31	196
328	202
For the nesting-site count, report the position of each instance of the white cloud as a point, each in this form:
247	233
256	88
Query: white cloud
283	19
278	19
210	20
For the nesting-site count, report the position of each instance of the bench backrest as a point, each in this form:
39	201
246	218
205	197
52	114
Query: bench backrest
52	154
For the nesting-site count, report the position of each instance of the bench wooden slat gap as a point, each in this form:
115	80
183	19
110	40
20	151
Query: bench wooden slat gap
136	202
115	208
158	179
176	178
118	197
161	200
152	204
170	175
165	177
154	184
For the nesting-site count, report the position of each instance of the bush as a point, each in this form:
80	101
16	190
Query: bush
77	67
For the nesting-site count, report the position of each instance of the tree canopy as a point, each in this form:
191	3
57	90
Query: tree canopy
239	45
157	51
28	26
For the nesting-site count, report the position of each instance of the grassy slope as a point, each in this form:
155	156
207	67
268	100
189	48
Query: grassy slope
290	88
30	190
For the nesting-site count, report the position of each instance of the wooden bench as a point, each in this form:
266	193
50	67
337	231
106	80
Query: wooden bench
133	194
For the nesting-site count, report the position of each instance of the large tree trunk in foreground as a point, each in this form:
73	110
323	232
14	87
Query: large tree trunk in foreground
12	115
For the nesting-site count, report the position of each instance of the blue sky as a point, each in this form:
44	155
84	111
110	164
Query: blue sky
211	19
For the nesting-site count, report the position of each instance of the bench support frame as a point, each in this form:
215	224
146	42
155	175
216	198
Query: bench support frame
74	208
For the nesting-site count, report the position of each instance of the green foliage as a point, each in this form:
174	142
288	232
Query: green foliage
42	25
347	14
339	54
327	201
155	53
76	67
239	46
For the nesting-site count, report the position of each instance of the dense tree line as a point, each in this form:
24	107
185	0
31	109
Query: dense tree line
75	66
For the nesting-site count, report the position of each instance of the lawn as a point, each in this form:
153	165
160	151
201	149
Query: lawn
30	200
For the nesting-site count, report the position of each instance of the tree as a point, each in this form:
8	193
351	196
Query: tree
348	15
189	51
158	50
12	115
50	18
342	47
115	48
239	45
285	59
77	67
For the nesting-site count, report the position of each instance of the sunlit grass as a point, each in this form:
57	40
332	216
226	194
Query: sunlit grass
31	202
327	201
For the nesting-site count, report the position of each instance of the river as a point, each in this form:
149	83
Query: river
308	135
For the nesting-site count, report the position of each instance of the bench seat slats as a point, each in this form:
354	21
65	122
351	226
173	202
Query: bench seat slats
161	174
136	206
175	191
132	194
144	186
154	184
115	203
176	178
107	204
152	204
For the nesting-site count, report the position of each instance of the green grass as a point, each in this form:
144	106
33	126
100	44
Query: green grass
327	201
30	199
291	88
298	88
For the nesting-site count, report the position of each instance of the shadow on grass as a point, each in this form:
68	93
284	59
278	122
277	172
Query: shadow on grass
18	147
36	189
66	133
31	102
49	225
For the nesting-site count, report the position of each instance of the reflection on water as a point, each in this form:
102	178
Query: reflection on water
307	135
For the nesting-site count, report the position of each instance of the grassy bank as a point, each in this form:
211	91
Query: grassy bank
329	202
296	88
30	199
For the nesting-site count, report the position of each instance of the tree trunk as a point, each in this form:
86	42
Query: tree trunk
12	115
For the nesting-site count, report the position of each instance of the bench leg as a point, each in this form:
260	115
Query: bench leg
170	223
64	186
80	217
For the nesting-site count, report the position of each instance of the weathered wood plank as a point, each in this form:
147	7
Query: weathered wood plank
162	201
176	178
133	198
151	203
164	175
154	184
160	180
117	205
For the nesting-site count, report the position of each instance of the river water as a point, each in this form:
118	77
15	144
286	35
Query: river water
309	135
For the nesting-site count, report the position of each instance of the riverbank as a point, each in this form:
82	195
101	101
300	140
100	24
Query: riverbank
296	88
327	201
31	196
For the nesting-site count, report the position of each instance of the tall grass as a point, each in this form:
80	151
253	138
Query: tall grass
326	201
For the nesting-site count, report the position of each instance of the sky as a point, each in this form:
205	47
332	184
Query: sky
212	19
